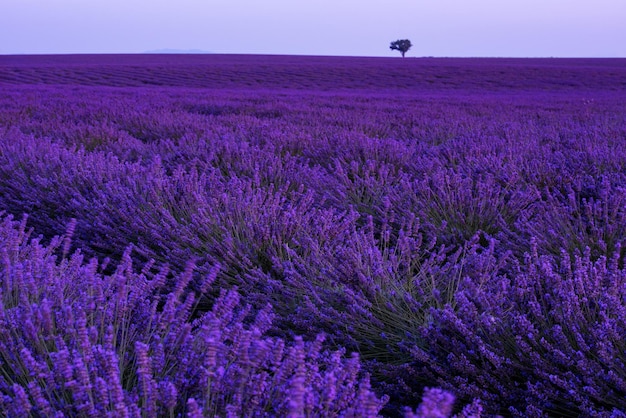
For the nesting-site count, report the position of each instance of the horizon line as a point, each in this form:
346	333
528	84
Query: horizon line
200	52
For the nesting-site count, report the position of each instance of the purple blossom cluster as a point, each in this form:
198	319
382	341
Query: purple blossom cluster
217	245
77	342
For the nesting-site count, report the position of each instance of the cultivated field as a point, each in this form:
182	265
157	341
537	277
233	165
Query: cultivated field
215	235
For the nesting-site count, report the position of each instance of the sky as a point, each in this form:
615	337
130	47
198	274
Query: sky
440	28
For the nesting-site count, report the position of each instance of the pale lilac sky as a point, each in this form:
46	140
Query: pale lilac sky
513	28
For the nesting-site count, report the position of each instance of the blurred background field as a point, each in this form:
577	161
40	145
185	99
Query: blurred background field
245	72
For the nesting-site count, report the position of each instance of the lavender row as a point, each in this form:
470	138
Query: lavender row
318	74
76	342
473	244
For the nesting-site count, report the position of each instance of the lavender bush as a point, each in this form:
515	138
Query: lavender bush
76	342
550	336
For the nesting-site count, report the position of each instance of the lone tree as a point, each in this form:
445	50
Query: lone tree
401	45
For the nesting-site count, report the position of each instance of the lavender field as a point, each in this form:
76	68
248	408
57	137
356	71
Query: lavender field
223	235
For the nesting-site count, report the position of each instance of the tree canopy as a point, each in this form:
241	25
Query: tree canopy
402	45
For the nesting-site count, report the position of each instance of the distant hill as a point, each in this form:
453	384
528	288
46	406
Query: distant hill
177	51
